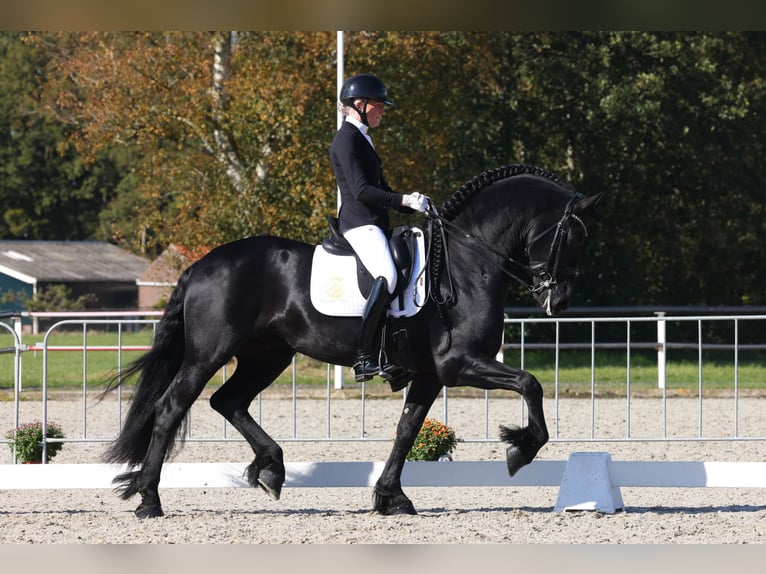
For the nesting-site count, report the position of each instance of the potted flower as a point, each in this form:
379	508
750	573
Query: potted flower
435	441
26	441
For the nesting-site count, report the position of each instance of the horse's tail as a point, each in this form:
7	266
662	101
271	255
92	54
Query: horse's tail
156	369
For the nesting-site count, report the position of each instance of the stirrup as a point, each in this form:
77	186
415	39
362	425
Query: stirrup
366	368
398	377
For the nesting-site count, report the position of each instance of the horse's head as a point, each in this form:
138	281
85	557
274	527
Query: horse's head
522	215
554	244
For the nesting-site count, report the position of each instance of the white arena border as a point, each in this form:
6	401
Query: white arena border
587	481
298	474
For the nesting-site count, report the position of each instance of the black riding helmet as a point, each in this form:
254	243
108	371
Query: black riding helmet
365	87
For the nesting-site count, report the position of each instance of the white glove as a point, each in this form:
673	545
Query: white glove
415	201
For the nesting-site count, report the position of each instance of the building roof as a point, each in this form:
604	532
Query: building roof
69	262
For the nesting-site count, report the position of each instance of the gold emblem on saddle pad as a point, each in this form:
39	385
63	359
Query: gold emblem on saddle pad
335	288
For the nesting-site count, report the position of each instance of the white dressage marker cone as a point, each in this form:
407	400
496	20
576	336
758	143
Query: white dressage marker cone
586	484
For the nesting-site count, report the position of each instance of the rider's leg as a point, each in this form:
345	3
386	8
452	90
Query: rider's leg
366	365
371	245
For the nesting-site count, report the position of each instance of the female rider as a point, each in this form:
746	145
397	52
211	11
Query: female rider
365	200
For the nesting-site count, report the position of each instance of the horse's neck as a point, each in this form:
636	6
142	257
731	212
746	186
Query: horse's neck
496	229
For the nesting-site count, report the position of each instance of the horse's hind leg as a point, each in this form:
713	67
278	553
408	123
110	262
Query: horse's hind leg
257	367
168	414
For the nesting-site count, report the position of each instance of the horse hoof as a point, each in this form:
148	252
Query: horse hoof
403	508
515	459
152	511
391	505
271	483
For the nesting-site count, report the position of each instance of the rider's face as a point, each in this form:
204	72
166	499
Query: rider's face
375	111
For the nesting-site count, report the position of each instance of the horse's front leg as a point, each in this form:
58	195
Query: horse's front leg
388	496
525	442
487	373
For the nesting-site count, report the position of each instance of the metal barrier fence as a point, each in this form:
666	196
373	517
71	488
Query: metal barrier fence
650	346
596	365
15	349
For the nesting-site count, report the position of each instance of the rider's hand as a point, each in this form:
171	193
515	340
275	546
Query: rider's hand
415	201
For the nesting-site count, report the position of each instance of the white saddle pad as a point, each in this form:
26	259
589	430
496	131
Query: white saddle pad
335	290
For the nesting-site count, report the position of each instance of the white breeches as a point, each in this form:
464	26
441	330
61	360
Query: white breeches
371	245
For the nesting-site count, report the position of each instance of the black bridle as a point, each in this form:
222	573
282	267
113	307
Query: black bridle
540	275
545	273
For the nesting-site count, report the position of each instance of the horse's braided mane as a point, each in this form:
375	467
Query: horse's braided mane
455	204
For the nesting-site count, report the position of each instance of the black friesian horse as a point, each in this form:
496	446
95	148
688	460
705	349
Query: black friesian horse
249	299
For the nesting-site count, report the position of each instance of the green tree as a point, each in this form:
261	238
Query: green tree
667	125
46	190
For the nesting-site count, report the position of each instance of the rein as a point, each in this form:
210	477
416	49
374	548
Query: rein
543	274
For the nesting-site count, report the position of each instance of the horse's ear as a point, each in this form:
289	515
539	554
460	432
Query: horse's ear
587	206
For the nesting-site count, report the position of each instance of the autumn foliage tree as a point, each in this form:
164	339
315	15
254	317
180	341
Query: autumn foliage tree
217	123
231	131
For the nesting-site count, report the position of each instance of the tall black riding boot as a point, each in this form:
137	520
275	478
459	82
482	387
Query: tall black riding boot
366	365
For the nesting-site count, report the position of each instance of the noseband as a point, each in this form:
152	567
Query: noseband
542	274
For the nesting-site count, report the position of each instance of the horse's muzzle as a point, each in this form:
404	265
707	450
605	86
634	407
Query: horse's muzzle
554	300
